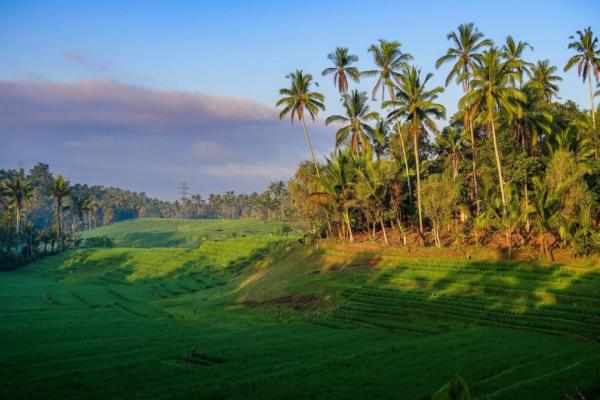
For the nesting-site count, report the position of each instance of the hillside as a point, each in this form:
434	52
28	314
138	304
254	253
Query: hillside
269	317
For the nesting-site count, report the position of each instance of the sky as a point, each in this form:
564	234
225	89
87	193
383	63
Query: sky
144	95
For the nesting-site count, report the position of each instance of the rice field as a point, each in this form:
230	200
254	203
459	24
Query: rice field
260	315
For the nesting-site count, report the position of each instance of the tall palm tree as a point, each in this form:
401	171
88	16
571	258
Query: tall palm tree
297	100
542	75
59	190
380	138
468	43
19	193
416	104
587	60
389	60
355	121
342	68
513	51
492	90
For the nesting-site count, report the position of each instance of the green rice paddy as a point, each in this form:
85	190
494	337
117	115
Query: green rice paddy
235	310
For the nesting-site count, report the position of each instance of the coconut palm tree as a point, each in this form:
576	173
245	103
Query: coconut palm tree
19	193
492	90
468	43
587	60
336	187
59	190
298	100
389	60
542	75
355	128
342	68
380	138
513	51
416	105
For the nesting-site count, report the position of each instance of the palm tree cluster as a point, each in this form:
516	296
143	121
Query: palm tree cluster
490	176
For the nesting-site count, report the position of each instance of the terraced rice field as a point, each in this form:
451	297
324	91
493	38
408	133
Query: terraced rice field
270	318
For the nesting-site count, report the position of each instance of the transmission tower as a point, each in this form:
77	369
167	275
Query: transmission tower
184	190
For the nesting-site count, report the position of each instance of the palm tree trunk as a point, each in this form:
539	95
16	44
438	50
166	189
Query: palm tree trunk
393	97
474	162
383	229
593	110
498	165
401	231
18	219
347	219
310	146
418	171
58	224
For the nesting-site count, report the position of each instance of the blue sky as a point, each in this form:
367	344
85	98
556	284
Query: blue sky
228	48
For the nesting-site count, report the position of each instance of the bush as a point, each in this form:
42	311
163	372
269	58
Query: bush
100	241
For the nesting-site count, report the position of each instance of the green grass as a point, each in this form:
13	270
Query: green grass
163	232
282	320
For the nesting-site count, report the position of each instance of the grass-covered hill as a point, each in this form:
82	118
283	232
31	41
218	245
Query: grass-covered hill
261	315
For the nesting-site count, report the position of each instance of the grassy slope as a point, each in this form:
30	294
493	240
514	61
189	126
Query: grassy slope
360	324
160	232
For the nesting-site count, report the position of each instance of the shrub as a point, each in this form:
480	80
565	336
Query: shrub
100	241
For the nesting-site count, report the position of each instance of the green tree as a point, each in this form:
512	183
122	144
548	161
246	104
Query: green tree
416	104
588	63
533	120
510	217
59	191
355	126
440	197
450	144
297	100
468	43
342	68
336	187
390	61
19	192
380	138
542	75
513	51
372	187
492	91
546	212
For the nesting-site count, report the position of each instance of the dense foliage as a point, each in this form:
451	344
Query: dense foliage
512	166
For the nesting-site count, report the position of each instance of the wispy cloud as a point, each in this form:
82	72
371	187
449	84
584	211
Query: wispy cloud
80	59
